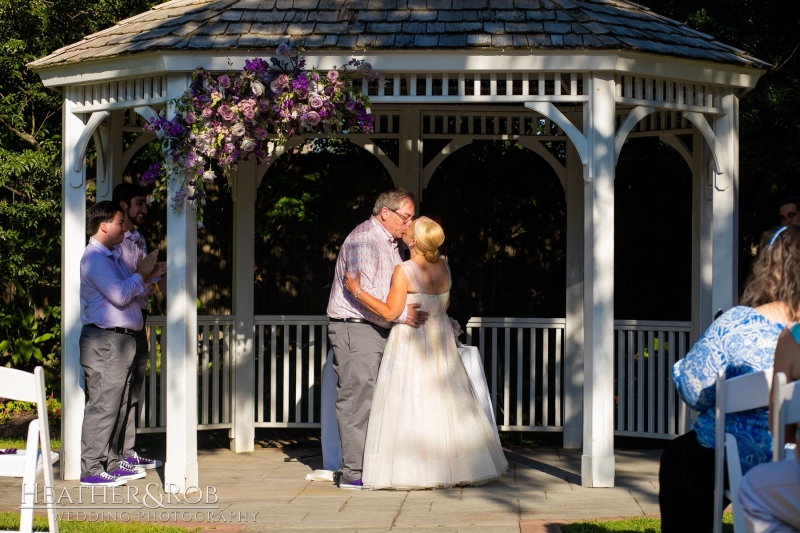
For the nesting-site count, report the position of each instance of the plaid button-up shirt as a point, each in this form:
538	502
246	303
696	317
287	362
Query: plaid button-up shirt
131	250
371	250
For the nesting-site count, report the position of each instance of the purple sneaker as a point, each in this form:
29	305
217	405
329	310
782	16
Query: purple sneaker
124	471
356	484
137	461
102	480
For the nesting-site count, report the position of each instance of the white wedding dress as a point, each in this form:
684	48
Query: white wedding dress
427	428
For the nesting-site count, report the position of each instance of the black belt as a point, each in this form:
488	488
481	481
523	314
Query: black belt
350	320
123	331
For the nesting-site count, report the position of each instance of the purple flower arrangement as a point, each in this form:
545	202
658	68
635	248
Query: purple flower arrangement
222	119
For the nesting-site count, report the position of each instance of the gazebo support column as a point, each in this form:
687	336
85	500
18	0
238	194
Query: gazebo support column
725	209
244	368
73	242
180	469
597	465
573	345
411	152
702	213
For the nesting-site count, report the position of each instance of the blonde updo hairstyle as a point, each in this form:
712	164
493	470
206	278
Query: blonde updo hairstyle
774	276
429	236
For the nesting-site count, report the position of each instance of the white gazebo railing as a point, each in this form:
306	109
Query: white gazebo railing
523	360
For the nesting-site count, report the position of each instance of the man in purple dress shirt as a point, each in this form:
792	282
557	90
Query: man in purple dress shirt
112	320
357	335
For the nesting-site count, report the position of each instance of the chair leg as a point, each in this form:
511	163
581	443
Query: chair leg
29	479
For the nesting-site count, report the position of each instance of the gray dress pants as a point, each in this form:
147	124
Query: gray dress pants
124	436
106	359
357	351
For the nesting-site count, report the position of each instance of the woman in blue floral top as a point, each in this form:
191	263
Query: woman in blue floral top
740	341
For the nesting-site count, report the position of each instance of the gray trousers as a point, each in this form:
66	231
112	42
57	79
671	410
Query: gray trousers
769	496
124	435
357	352
106	359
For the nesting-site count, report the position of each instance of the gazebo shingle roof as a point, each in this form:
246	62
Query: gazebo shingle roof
400	24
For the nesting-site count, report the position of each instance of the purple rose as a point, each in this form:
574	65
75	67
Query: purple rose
350	105
312	118
225	112
333	75
191	118
207	112
249	113
283	80
261	134
224	81
275	86
283	50
316	101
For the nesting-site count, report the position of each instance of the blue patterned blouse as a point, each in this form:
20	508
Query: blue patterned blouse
741	341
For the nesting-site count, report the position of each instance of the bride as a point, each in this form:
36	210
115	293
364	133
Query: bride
427	428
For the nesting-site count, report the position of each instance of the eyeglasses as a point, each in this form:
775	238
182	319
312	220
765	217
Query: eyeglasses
405	218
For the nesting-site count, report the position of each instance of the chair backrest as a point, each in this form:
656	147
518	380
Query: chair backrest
740	393
786	404
27	387
18	385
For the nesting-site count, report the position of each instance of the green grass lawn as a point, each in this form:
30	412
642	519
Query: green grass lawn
21	444
10	521
631	525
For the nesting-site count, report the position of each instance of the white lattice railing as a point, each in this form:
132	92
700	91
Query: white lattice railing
523	359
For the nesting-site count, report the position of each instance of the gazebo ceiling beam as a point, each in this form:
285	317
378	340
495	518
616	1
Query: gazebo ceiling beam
420	63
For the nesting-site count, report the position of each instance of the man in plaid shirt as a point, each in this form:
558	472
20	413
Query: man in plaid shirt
357	335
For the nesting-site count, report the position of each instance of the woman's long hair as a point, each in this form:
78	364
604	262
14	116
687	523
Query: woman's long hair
775	276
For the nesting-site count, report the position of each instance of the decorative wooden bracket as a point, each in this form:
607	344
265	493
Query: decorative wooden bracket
535	146
578	139
386	161
148	113
633	118
433	164
717	150
83	141
277	151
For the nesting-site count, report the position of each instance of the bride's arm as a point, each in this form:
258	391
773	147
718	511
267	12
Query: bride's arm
395	302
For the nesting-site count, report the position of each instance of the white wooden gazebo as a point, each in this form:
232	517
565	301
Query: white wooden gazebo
589	73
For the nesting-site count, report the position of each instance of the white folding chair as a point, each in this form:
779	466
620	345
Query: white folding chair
27	463
741	393
786	403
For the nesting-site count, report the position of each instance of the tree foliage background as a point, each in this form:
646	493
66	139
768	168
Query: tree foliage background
505	222
30	169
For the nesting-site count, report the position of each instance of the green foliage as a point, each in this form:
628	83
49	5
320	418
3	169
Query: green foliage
11	408
29	337
769	114
30	170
